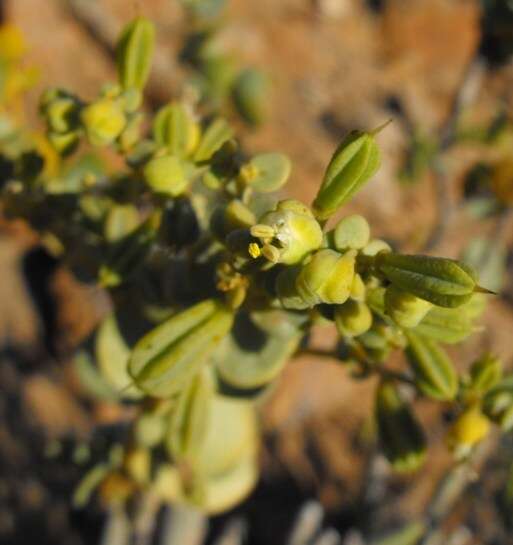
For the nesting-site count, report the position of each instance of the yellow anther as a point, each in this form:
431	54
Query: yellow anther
254	250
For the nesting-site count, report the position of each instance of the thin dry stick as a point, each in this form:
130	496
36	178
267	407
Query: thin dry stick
465	95
451	489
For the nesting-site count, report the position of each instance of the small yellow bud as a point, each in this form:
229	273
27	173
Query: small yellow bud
103	120
471	427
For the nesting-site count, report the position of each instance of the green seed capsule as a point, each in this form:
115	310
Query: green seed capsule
485	373
166	175
351	233
165	359
498	403
446	325
189	419
297	232
352	319
400	433
353	164
433	370
443	282
405	309
176	129
327	278
134	53
103	121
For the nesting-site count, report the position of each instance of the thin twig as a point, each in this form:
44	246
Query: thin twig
465	95
452	488
444	206
374	369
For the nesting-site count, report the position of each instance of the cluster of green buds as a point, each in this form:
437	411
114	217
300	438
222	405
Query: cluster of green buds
113	118
215	287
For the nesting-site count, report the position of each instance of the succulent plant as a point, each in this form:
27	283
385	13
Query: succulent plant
214	289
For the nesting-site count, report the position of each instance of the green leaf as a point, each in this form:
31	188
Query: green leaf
121	220
250	358
272	171
112	355
250	95
215	135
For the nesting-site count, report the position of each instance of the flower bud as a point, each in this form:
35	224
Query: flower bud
297	232
103	121
61	114
137	464
443	282
352	319
327	278
471	427
400	433
231	217
176	129
350	233
375	246
353	164
405	309
166	175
